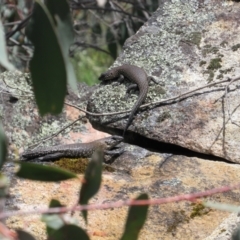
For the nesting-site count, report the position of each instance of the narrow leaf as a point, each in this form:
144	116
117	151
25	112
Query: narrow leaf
71	232
55	203
60	12
123	33
47	66
222	206
38	172
4	186
92	179
3	147
236	234
3	52
135	220
22	235
53	221
111	41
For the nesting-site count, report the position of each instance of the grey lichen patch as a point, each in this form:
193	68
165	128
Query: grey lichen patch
17	82
223	43
21	120
210	77
164	116
155	93
202	63
111	98
194	38
214	64
199	210
177	218
161	49
207	49
235	47
224	71
219	76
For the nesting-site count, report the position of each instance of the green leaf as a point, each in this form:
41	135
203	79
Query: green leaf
3	52
123	33
236	234
92	179
96	28
48	70
3	146
135	221
53	221
22	235
60	12
4	186
38	172
55	203
112	46
222	206
71	232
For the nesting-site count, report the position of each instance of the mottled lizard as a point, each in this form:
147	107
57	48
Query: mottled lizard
134	74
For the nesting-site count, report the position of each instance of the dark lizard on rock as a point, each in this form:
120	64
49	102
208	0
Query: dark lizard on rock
76	150
134	74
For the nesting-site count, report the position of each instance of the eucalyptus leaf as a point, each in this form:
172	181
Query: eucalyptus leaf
3	147
38	172
60	12
222	206
71	232
3	52
92	179
136	218
4	186
111	43
48	68
236	234
22	235
53	221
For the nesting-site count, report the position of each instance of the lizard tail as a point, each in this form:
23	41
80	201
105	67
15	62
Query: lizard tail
134	110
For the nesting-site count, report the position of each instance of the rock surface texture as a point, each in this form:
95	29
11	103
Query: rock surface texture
185	45
194	140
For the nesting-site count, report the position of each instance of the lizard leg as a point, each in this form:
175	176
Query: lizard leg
111	155
152	79
130	88
117	151
119	80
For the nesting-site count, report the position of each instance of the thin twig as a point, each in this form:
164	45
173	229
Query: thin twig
179	97
186	197
226	99
56	133
15	88
21	25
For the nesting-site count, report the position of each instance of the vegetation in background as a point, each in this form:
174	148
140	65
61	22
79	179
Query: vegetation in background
99	32
89	64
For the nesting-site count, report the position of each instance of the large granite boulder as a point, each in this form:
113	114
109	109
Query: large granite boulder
185	45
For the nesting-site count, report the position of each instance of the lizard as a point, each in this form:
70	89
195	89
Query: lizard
134	74
76	150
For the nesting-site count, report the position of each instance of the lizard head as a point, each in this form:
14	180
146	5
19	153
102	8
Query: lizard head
112	141
109	75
